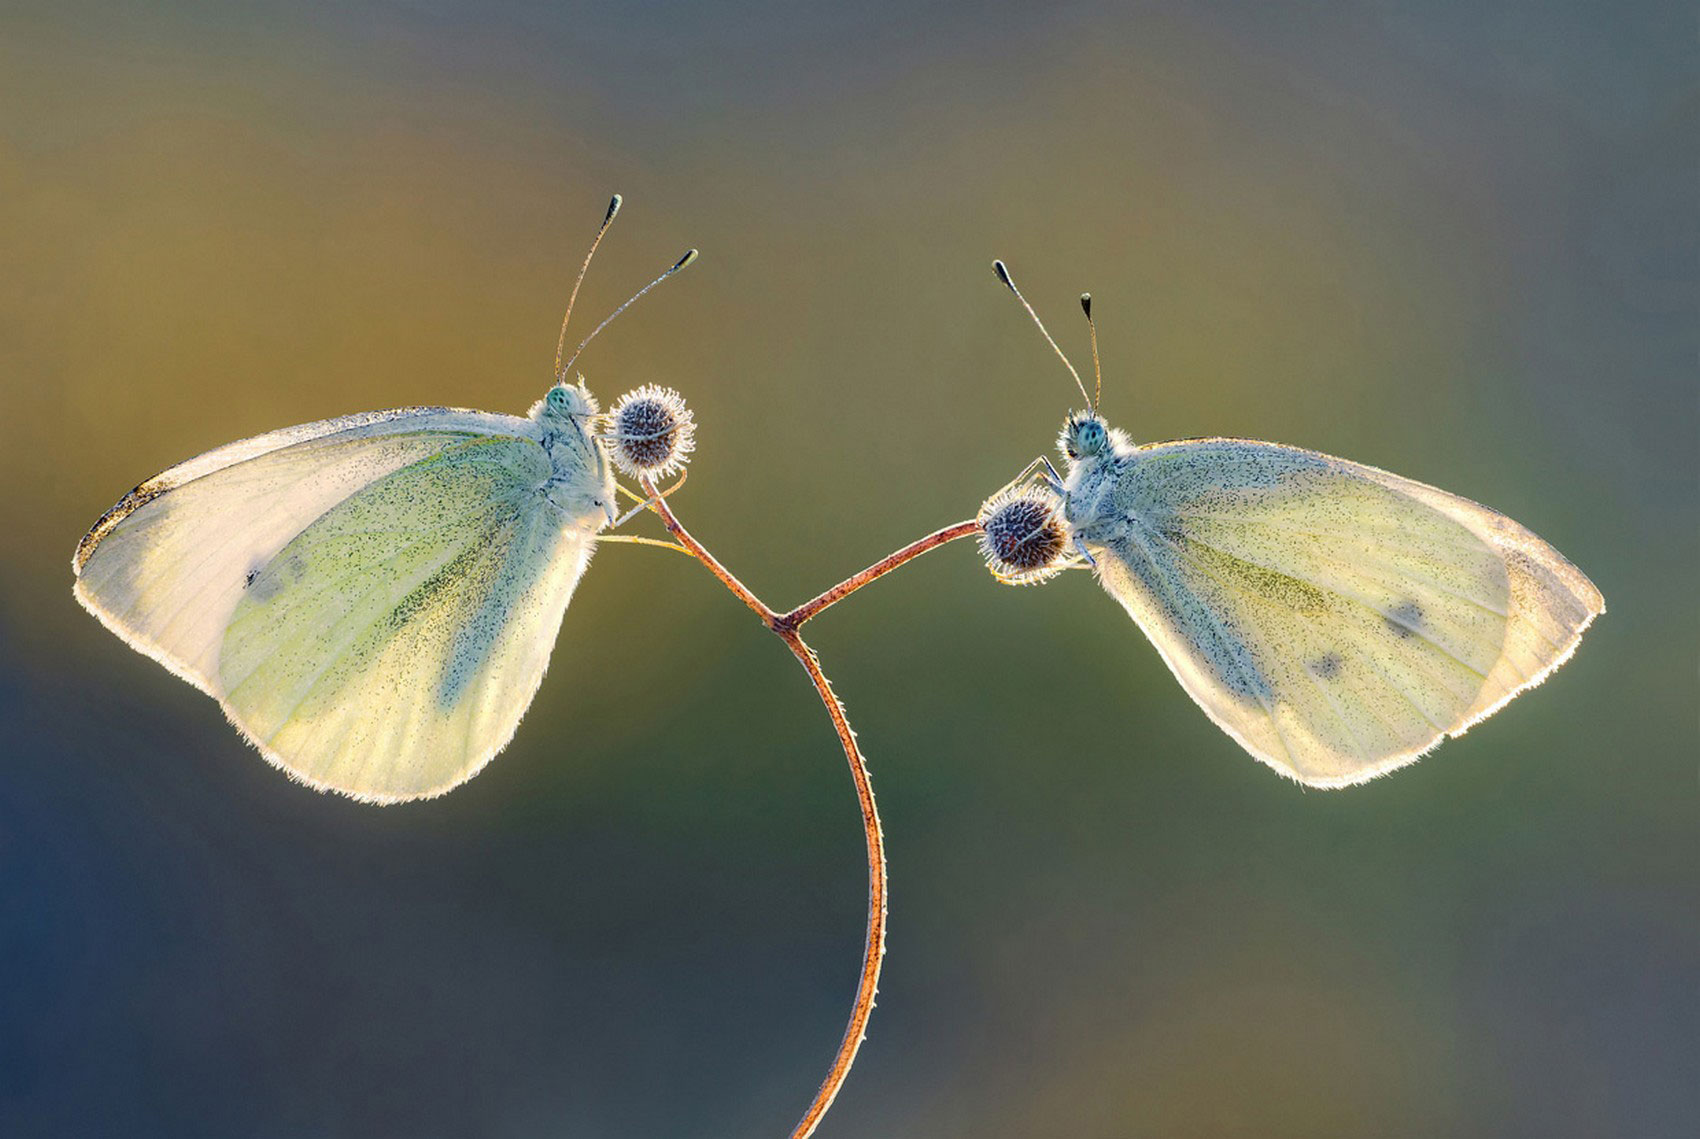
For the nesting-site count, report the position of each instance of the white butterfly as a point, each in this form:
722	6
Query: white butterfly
1336	620
373	599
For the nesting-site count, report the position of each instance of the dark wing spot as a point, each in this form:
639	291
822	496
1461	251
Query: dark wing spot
1327	666
1405	619
249	580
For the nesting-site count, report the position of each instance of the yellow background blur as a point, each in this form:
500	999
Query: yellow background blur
1458	243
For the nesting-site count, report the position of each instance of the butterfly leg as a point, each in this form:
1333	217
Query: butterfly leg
644	504
1026	473
636	497
640	541
1080	547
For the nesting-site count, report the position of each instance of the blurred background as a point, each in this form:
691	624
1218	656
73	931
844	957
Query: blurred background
1455	240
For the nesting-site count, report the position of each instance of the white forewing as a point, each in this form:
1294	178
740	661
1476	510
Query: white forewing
399	573
164	567
1336	620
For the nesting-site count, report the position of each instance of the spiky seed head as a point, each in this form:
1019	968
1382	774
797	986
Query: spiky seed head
1023	536
651	432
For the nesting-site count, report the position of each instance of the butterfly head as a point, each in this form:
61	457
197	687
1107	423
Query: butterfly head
570	402
1084	436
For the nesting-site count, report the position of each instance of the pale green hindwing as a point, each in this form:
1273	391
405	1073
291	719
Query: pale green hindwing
1337	620
390	649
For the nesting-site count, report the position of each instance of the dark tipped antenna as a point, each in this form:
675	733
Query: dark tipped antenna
614	204
1002	271
690	255
1097	369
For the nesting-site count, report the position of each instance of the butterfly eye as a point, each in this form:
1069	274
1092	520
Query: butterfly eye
1022	536
558	398
652	433
1090	438
1084	435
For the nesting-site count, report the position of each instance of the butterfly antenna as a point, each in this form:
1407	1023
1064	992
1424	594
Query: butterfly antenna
562	372
1097	369
1002	271
561	343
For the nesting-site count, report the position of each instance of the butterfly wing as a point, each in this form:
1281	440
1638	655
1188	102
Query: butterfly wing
372	600
164	568
1336	620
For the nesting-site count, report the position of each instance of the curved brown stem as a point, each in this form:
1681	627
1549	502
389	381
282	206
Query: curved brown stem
873	948
785	625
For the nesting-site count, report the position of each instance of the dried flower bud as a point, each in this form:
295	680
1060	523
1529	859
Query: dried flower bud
651	432
1022	535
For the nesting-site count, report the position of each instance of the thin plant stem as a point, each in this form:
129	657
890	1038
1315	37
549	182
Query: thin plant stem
696	548
785	626
885	565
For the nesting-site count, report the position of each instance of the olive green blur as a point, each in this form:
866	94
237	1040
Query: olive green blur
1455	240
